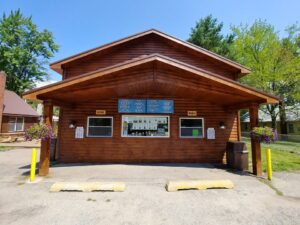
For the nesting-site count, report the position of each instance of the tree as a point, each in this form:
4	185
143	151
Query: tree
274	62
23	51
207	34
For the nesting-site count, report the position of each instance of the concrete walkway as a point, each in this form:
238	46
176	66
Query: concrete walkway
145	200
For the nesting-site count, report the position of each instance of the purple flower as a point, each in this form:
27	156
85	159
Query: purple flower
264	134
40	132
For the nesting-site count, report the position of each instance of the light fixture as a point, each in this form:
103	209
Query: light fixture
222	125
72	124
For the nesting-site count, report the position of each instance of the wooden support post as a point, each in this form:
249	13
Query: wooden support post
45	145
255	144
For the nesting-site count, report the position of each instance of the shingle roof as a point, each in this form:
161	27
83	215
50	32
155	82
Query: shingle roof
14	105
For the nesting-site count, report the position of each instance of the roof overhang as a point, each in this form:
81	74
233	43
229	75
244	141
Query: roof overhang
57	66
224	83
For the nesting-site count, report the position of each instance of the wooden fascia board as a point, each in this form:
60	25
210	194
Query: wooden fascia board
85	77
57	65
217	78
118	67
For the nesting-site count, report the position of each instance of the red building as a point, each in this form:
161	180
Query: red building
15	114
149	97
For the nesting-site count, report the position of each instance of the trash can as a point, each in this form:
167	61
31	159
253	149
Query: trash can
237	155
52	149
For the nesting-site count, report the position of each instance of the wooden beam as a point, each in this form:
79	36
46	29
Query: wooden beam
238	114
150	59
255	144
45	145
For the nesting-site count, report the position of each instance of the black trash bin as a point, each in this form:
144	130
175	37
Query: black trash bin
237	155
52	149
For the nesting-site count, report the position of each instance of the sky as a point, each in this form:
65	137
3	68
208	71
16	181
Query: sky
79	25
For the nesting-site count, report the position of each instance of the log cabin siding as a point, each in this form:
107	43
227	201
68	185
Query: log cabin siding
145	46
119	149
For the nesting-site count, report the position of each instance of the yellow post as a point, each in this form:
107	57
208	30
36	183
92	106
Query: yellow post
269	163
33	165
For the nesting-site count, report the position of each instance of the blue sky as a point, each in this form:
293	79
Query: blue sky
81	25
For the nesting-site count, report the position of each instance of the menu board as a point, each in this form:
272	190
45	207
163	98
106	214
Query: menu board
160	106
132	106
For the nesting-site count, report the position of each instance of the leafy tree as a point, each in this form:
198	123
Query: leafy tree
274	61
207	34
23	51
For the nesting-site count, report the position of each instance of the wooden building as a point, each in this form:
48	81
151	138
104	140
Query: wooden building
15	114
146	98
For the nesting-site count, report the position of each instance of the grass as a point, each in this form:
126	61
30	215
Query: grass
5	148
285	155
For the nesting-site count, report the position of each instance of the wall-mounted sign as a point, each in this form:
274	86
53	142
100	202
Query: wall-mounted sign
79	131
131	106
192	113
211	133
100	112
145	106
160	106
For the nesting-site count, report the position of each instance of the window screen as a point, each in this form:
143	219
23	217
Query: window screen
99	127
19	124
191	128
145	126
15	124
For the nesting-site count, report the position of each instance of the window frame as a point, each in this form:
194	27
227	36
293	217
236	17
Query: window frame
101	136
192	118
15	124
126	115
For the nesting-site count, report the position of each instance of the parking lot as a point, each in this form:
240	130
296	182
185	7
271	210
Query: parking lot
145	200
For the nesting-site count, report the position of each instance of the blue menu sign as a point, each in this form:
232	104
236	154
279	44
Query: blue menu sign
160	106
132	106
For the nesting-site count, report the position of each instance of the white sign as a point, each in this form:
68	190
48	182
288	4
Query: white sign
79	132
211	133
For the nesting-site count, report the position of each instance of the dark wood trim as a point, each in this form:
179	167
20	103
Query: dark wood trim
239	131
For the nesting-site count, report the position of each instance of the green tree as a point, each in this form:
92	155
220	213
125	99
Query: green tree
274	62
207	34
24	51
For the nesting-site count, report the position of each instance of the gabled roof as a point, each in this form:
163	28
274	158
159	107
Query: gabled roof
58	64
14	105
33	94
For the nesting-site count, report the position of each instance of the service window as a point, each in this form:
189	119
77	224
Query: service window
15	124
191	127
99	126
145	126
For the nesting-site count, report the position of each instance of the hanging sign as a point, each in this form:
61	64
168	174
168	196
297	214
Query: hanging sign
131	106
100	112
160	106
145	106
192	113
211	133
79	131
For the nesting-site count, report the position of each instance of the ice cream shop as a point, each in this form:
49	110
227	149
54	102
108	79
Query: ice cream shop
148	98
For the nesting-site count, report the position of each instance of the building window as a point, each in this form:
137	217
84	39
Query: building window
15	124
99	126
291	128
191	127
145	126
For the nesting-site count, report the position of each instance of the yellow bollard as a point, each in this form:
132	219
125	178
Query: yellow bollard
269	163
33	165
